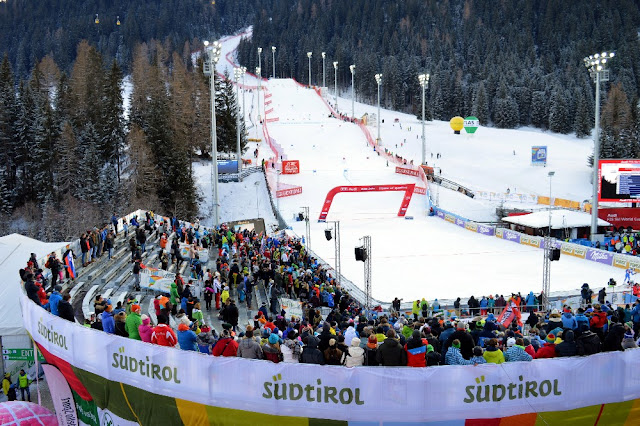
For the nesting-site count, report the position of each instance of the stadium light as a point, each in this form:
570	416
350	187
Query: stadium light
213	51
309	55
423	79
597	66
379	81
335	82
352	68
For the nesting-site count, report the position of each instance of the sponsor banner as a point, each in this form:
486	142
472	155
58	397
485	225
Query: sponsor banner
288	192
579	251
272	120
268	95
203	254
418	190
485	391
634	263
530	241
87	411
407	171
621	216
407	188
440	214
269	111
486	230
268	102
158	279
500	232
460	222
511	236
450	218
63	401
291	306
621	261
538	155
107	418
471	226
600	256
290	167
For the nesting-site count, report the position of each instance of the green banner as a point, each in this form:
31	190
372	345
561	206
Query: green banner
87	410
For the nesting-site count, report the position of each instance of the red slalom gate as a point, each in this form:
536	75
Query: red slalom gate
407	188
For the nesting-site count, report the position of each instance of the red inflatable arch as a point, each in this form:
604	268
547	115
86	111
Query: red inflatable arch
407	188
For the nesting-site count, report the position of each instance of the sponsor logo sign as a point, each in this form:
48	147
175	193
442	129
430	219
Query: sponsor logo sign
290	167
599	256
52	335
288	192
314	392
406	171
450	218
418	190
440	214
486	230
621	216
511	236
530	241
460	222
500	232
579	251
471	226
621	261
518	389
144	367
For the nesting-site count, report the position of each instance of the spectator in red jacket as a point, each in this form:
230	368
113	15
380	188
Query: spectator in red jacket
549	348
163	334
416	348
598	321
226	346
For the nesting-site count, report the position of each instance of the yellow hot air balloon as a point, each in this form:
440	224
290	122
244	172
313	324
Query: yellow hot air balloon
456	123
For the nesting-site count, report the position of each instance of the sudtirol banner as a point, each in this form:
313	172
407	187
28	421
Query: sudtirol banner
150	377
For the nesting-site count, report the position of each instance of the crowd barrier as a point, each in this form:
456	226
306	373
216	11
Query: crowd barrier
138	382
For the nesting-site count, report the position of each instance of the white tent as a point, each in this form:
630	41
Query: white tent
560	219
15	250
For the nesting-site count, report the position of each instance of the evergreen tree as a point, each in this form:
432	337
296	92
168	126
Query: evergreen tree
539	112
559	114
583	122
8	115
112	144
480	105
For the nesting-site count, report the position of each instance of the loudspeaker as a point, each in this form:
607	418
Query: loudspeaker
554	254
361	254
327	234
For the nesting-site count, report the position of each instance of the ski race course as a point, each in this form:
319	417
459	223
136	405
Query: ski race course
425	256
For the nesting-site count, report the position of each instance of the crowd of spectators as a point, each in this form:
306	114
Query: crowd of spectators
343	335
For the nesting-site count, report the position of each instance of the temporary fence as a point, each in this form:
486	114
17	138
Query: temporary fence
136	382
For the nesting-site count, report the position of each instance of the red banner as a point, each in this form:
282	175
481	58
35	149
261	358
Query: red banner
407	188
271	120
268	95
290	167
621	216
406	171
268	102
289	192
418	190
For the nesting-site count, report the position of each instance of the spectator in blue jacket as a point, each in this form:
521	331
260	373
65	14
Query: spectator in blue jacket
517	352
582	322
531	302
454	357
108	323
568	320
54	300
187	338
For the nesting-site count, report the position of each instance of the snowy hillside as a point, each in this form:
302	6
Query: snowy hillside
423	257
